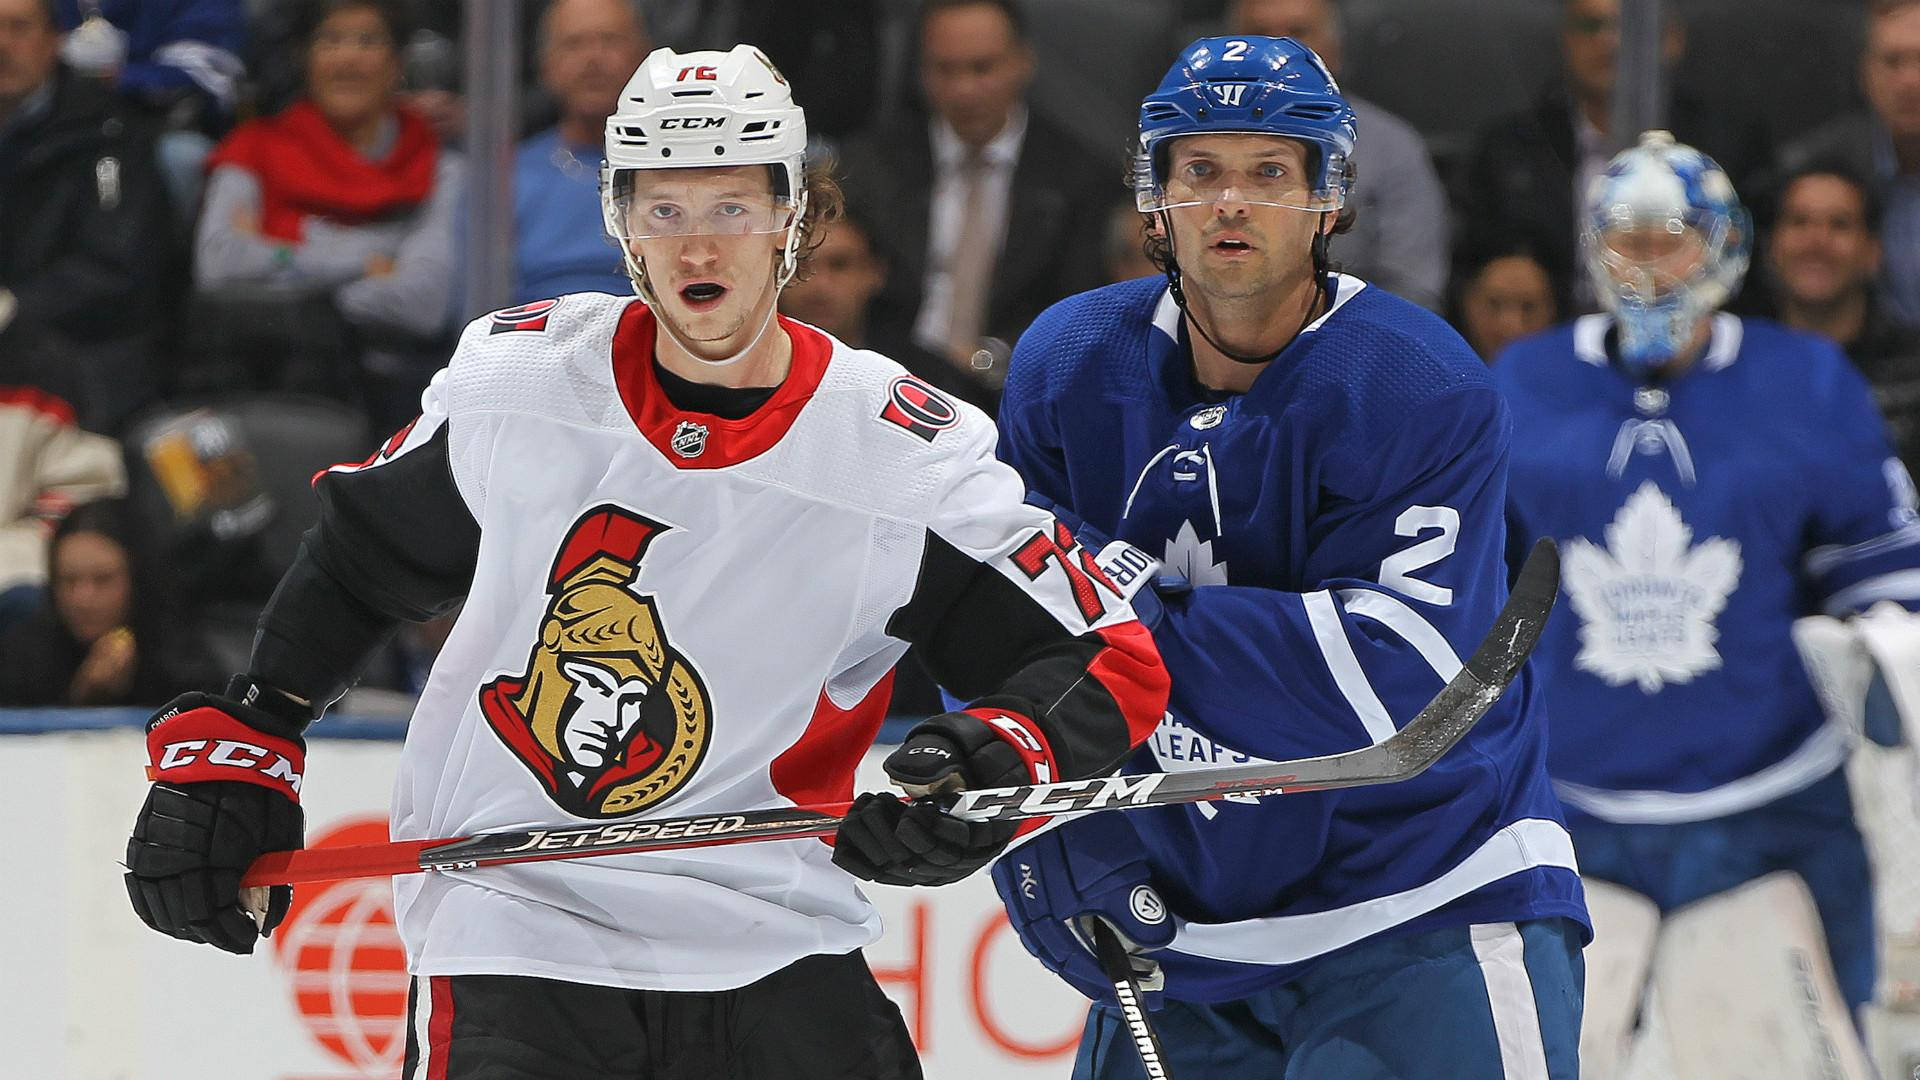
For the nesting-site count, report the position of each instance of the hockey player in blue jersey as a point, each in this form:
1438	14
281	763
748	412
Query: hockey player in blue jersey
1325	465
1710	480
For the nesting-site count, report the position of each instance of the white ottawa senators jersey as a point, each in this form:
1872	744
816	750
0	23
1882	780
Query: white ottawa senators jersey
676	613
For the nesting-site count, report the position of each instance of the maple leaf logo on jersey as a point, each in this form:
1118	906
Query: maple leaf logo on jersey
607	715
1192	558
1647	601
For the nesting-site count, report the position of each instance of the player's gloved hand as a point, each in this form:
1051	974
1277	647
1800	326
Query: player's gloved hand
897	843
226	791
1088	868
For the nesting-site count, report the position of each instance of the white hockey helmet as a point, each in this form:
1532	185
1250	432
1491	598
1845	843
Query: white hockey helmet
707	109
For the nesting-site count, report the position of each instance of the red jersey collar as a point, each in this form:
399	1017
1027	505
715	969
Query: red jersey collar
696	440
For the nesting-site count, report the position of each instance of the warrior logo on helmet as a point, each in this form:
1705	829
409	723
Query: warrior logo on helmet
606	714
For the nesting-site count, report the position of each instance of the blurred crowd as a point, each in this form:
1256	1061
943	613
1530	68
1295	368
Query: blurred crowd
231	233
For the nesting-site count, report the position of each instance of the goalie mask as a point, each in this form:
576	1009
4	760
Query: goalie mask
705	110
1666	242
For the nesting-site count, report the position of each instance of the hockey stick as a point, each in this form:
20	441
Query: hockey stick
1448	717
1133	1006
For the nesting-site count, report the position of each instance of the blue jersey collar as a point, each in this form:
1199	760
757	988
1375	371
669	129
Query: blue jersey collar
1723	341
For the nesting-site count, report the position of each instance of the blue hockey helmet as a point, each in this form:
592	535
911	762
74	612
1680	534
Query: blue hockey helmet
1666	242
1248	85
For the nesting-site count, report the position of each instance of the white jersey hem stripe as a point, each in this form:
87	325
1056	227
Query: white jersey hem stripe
1290	939
1328	630
1824	751
1516	1018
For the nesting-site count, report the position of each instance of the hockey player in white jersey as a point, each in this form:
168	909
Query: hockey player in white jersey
1710	479
692	539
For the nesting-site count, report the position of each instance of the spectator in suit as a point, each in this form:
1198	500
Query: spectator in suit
1528	171
1503	296
1883	144
985	212
86	240
345	195
829	50
50	465
103	636
1399	237
176	60
588	50
1823	254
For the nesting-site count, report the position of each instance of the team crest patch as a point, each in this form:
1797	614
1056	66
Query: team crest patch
1649	599
525	317
689	439
918	408
606	714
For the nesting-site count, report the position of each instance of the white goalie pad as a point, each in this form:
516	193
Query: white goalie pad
1625	926
1839	666
1843	658
1891	635
1743	988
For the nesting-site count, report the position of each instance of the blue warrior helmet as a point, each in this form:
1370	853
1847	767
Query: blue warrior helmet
1247	85
1666	242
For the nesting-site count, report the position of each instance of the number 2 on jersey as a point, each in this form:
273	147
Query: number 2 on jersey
1396	570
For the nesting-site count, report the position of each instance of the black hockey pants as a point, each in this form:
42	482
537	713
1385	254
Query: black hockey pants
819	1018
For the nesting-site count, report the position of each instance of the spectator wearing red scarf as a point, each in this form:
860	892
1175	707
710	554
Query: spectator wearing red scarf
345	192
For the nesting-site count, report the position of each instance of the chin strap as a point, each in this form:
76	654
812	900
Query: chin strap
1322	292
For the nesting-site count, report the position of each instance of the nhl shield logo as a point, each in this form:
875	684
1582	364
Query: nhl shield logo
689	439
606	714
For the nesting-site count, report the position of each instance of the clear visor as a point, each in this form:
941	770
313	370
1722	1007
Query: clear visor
640	210
1207	182
1649	258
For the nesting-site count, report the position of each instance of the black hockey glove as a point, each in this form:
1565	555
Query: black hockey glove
897	843
226	791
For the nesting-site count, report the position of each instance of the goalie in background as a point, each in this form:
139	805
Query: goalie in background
1710	479
1324	463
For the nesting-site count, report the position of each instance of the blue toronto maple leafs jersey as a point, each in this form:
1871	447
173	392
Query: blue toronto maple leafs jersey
1342	523
1697	518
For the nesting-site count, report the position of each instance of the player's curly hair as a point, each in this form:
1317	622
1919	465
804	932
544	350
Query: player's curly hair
826	204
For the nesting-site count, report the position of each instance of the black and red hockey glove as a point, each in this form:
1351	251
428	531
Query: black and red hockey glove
226	790
897	843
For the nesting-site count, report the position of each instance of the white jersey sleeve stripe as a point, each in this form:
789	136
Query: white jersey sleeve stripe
1901	585
1324	616
1516	1019
1395	615
1821	560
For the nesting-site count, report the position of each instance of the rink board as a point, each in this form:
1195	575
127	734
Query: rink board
89	993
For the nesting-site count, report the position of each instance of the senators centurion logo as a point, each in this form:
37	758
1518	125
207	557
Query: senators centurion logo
607	715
